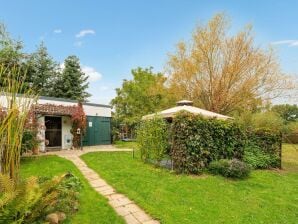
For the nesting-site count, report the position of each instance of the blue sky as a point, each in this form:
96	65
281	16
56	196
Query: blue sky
112	37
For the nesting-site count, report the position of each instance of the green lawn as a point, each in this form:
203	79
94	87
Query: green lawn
265	197
93	207
125	145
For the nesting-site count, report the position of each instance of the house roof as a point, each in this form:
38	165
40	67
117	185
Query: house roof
170	113
51	109
73	101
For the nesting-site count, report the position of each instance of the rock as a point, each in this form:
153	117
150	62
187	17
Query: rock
61	216
52	218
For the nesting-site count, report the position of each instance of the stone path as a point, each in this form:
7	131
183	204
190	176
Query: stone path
126	208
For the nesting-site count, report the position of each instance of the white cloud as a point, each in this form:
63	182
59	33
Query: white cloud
92	73
103	88
57	31
83	33
292	43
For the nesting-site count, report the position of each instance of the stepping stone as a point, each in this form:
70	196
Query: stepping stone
99	184
133	208
116	196
130	219
120	202
124	207
122	211
141	216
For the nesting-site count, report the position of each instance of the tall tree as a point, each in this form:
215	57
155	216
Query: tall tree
42	71
71	83
10	49
224	73
144	94
11	56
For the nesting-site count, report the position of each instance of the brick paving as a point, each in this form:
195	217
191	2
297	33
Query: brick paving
126	208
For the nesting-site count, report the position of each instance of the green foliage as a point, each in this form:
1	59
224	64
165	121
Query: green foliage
153	139
229	168
218	167
258	159
72	82
142	95
286	111
198	141
264	144
41	71
29	201
265	197
29	141
78	118
92	206
268	120
11	55
13	119
267	140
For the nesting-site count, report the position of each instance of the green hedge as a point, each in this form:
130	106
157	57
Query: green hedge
197	141
153	139
263	148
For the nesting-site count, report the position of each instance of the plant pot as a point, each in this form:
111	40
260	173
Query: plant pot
35	151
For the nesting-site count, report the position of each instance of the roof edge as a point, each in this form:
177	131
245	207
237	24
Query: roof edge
73	101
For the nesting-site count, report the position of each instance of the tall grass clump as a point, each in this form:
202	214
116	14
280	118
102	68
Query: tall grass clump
14	109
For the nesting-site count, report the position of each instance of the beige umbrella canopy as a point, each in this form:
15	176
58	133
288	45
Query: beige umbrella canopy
185	105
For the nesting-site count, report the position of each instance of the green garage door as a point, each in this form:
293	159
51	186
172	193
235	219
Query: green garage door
98	131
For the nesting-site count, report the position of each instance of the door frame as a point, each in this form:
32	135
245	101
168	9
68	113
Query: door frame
60	144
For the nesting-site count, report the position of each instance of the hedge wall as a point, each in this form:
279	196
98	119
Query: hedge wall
197	141
266	141
153	139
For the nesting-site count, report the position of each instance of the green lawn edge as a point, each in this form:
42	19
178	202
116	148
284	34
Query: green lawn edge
94	208
267	196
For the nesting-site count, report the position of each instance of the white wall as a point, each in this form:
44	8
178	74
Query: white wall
41	133
66	134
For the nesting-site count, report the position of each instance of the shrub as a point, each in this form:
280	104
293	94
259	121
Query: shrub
268	120
229	168
198	141
258	159
29	201
266	145
153	139
218	167
78	119
237	169
29	141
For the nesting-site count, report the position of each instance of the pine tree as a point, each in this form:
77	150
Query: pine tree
72	82
42	70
